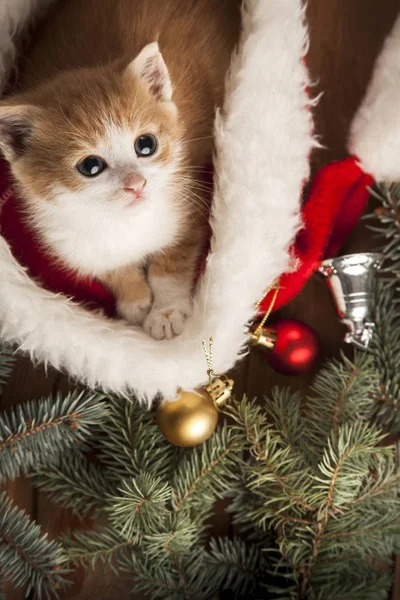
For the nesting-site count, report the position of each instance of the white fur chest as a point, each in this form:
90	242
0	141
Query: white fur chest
96	239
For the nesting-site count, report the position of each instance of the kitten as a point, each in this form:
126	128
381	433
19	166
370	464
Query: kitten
106	136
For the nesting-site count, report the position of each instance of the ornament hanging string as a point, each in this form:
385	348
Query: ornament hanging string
265	318
208	352
209	359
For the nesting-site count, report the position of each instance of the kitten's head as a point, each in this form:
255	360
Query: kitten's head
108	137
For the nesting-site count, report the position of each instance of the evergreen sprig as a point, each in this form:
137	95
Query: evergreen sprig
340	508
385	350
28	558
37	432
206	473
7	361
74	482
129	442
347	389
141	505
175	538
233	564
103	546
386	225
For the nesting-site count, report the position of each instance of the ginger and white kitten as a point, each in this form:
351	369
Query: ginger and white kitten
106	136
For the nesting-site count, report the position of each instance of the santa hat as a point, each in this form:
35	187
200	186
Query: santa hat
340	191
255	217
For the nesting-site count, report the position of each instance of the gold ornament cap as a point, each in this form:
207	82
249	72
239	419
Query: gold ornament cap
263	337
220	390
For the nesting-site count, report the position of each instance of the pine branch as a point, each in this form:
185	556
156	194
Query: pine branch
384	478
206	473
7	361
130	442
156	582
346	391
175	539
185	580
141	506
235	565
386	340
356	579
345	464
37	432
285	416
104	546
385	349
387	228
278	474
74	482
26	556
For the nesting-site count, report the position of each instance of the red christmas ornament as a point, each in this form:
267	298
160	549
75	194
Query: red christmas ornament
292	347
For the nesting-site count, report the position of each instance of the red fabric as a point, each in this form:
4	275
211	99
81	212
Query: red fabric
27	251
337	199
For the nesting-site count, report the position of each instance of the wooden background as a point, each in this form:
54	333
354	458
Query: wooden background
346	36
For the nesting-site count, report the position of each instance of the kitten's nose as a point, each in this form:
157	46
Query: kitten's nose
135	183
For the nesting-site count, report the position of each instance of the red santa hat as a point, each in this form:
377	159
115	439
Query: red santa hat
255	217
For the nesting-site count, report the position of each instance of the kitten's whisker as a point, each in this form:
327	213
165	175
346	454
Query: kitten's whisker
207	137
199	200
201	209
198	185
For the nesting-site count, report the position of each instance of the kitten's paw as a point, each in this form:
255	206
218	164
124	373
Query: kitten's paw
134	311
164	323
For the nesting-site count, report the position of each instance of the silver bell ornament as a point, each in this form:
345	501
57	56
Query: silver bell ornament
351	280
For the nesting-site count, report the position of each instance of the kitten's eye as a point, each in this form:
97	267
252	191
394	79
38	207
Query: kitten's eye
146	145
91	166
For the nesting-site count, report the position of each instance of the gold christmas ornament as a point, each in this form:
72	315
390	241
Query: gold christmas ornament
193	417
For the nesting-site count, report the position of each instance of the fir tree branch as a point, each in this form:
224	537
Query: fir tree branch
157	582
385	481
202	475
235	565
341	399
381	397
103	546
278	461
392	526
344	466
207	472
173	540
37	432
141	506
346	390
26	556
385	349
387	227
74	482
7	361
129	442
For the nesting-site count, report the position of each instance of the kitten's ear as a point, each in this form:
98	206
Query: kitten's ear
149	65
15	128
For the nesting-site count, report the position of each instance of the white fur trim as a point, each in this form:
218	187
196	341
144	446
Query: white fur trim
264	138
375	132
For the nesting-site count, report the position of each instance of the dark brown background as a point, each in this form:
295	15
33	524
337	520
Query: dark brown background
346	36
